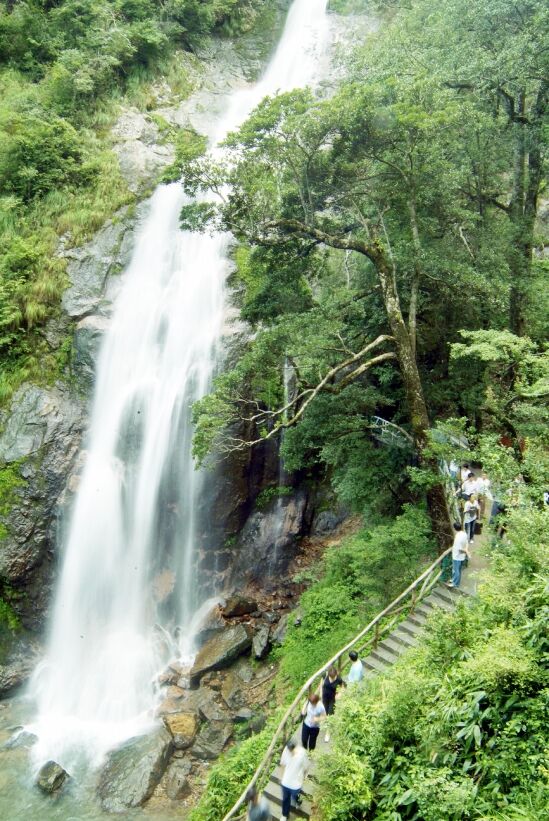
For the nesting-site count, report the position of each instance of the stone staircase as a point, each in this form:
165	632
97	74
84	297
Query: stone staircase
405	635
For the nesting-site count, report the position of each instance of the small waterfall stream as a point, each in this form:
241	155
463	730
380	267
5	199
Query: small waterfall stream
127	572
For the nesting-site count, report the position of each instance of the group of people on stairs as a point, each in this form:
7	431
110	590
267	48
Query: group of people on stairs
294	760
475	501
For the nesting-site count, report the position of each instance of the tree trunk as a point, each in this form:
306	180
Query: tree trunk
527	177
419	417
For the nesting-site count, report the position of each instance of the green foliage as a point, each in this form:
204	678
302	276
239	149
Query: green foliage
188	146
10	480
269	494
457	729
228	776
358	578
63	66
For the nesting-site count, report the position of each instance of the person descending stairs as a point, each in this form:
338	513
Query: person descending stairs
405	635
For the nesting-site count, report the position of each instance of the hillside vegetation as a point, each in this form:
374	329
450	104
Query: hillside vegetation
64	67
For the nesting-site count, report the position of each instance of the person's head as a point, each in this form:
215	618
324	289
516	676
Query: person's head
290	745
332	672
457	526
314	698
472	498
252	796
470	475
353	655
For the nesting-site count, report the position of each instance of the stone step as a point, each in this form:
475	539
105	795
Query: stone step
437	601
411	627
425	608
451	594
394	646
375	664
404	638
384	654
273	794
417	618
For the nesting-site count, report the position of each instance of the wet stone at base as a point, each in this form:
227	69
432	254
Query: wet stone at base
51	777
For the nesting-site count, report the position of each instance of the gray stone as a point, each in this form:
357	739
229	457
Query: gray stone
326	522
90	265
132	771
51	777
177	779
21	738
243	715
211	740
220	651
278	634
238	605
261	642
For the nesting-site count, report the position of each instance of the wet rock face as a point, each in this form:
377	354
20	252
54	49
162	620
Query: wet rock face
42	436
132	772
19	655
51	777
269	538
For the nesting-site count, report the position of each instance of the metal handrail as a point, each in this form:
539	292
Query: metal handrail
425	583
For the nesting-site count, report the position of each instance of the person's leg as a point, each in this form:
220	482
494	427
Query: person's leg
296	797
456	572
286	801
313	735
468	526
305	732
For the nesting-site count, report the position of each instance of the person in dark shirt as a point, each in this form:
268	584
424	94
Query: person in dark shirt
332	681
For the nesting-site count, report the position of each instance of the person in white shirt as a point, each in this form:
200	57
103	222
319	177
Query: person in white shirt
470	515
295	762
313	712
469	486
460	552
356	673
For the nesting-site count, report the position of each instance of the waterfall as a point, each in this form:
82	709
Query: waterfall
127	562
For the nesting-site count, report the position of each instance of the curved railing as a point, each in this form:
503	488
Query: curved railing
383	623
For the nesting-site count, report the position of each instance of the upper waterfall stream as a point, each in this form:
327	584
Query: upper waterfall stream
112	618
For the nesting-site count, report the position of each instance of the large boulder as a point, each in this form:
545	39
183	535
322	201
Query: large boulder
183	728
220	651
238	605
177	779
132	771
51	777
212	740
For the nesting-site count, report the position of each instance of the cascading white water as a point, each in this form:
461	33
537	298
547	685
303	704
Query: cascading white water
127	574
